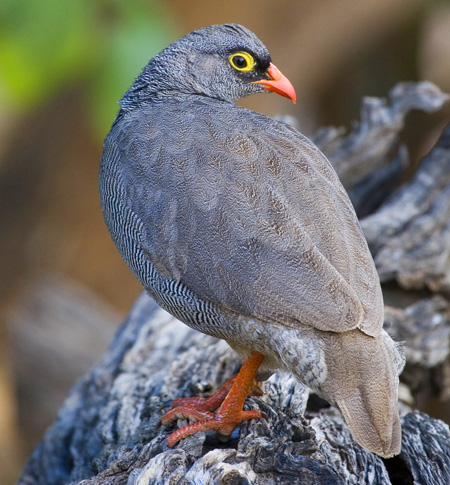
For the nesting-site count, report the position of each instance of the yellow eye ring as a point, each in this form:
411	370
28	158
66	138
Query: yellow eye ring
242	61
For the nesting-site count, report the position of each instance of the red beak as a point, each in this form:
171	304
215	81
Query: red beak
278	84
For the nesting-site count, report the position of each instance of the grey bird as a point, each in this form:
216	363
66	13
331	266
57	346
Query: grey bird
237	225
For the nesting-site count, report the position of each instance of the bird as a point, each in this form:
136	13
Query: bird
238	225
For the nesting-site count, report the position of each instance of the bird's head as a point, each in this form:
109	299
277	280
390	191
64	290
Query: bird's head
225	62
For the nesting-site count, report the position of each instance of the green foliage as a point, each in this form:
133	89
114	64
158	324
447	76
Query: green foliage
47	45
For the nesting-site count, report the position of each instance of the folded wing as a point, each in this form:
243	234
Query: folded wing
249	214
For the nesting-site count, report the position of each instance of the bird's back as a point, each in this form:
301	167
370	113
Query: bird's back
243	210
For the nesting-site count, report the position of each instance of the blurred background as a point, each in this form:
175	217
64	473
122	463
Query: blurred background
63	67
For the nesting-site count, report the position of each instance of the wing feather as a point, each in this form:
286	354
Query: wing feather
249	214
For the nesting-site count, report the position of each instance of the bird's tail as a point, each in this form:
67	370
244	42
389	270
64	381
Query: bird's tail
362	381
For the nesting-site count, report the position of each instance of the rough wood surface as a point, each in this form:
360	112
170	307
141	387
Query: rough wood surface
371	160
409	235
108	431
424	327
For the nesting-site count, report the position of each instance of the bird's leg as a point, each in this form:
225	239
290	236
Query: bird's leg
231	395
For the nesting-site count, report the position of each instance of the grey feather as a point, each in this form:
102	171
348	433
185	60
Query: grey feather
238	225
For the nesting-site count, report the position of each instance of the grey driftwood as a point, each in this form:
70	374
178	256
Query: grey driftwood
108	431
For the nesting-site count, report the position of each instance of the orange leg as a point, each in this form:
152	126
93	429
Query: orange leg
230	397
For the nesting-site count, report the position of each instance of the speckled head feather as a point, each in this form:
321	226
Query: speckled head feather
198	64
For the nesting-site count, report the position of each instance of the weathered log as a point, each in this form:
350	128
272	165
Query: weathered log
370	146
424	327
409	236
109	432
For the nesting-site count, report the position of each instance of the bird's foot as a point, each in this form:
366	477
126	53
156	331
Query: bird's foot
210	403
228	401
223	423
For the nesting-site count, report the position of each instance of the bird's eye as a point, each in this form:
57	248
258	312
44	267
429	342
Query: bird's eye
242	61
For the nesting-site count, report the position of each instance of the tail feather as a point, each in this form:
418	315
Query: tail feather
362	381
